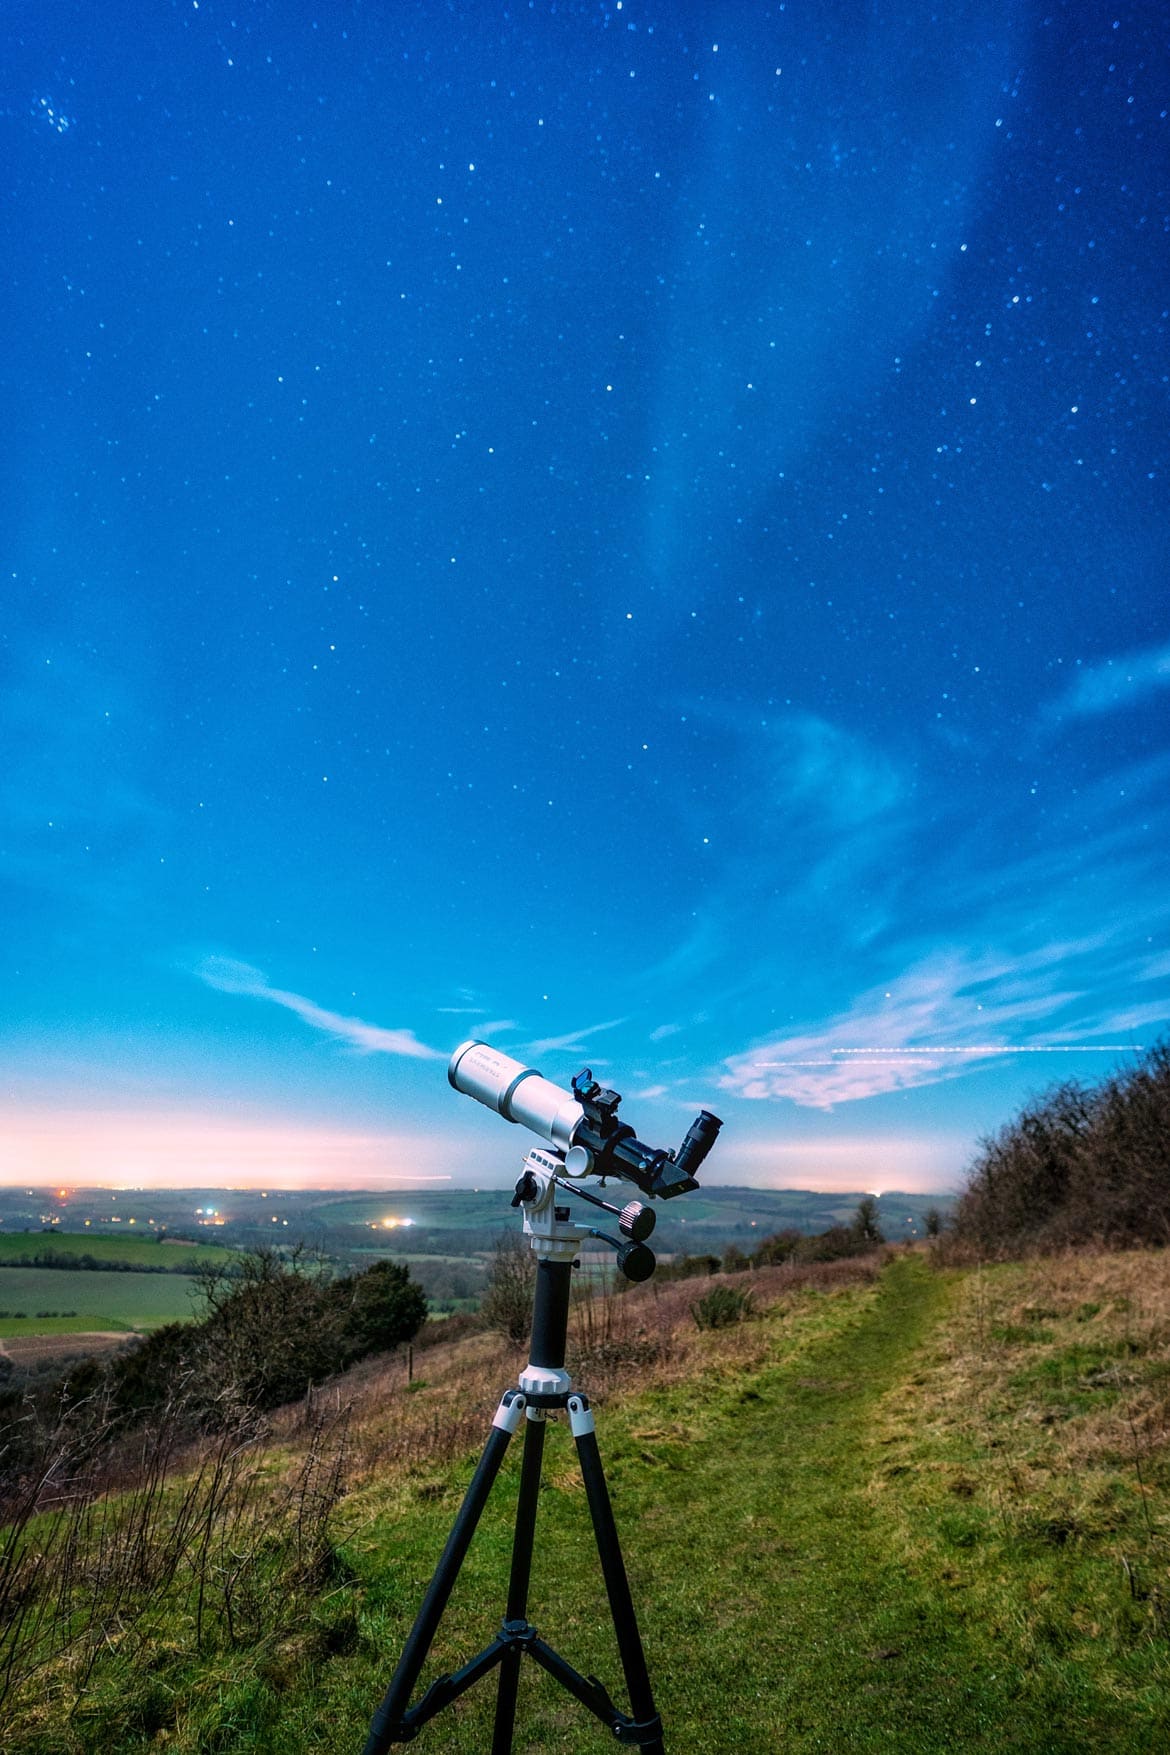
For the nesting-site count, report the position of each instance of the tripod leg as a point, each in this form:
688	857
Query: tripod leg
621	1605
387	1721
516	1614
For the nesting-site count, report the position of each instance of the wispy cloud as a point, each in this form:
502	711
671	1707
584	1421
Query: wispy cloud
227	975
1115	684
952	1010
816	818
573	1042
990	932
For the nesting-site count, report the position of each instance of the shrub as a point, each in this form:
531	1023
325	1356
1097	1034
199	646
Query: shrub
689	1267
836	1244
780	1247
270	1331
1077	1165
150	1369
722	1306
511	1283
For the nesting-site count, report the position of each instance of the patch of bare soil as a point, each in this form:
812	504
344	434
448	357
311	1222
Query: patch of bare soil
37	1349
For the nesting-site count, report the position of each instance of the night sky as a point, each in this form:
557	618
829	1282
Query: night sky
635	531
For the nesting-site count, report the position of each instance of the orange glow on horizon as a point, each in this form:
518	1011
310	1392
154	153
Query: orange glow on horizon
68	1149
62	1149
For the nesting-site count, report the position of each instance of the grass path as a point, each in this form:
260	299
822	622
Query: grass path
803	1579
777	1603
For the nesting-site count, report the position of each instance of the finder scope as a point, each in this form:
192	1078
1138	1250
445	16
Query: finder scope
581	1122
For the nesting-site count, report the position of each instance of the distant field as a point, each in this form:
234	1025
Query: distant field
99	1300
724	1209
135	1251
454	1209
382	1253
33	1351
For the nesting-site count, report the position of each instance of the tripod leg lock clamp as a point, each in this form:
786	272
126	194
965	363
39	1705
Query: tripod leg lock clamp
510	1411
581	1419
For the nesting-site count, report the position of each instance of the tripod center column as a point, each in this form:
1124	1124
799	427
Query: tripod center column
545	1373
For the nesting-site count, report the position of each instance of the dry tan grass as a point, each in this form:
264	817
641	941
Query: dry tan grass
1045	1397
618	1343
1096	1322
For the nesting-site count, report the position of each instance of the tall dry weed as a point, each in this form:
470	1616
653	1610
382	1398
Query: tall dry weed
218	1554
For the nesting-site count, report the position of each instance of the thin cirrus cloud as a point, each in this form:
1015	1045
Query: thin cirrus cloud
1114	685
952	1010
818	825
572	1043
1022	954
227	975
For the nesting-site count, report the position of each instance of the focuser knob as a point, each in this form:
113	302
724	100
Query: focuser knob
637	1221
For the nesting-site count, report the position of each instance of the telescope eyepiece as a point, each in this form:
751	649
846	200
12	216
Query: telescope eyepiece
701	1136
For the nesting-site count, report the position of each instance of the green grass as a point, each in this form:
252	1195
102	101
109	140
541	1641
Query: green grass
135	1250
786	1602
846	1530
99	1300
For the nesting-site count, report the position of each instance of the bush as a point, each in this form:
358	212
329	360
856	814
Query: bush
780	1247
689	1267
722	1306
511	1284
836	1244
271	1329
1078	1165
150	1368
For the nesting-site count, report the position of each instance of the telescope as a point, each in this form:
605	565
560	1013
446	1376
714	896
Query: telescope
581	1123
583	1137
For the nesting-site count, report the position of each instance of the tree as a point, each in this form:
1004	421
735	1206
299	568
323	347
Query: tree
781	1246
865	1221
507	1301
382	1308
1077	1165
271	1330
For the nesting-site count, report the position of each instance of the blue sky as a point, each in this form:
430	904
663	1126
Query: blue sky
635	532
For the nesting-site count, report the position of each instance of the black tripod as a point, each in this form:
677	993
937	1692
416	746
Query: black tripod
543	1385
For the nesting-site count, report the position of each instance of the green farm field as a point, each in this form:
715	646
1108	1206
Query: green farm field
139	1252
98	1300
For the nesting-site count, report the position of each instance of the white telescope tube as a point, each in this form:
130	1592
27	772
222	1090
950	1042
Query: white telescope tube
515	1091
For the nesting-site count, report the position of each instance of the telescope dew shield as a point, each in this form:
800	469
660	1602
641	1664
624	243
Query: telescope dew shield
517	1092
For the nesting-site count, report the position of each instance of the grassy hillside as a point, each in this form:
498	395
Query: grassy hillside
918	1510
